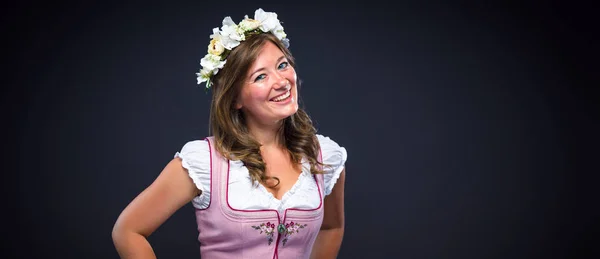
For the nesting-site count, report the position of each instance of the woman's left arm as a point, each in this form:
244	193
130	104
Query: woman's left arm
328	242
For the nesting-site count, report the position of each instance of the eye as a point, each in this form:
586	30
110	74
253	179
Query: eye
283	65
260	77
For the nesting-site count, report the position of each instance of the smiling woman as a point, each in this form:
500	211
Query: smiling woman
264	185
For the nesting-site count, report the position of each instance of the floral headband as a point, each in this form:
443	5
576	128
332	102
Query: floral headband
231	35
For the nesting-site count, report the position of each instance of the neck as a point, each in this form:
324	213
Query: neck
266	134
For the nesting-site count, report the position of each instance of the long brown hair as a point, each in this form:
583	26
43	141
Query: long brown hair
228	125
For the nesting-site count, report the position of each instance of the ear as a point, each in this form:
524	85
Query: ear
238	103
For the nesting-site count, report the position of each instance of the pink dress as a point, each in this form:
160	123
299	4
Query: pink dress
227	232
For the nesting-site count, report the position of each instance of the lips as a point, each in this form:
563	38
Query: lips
281	97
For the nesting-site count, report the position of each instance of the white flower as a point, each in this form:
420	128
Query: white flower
212	62
216	34
279	33
225	40
268	20
215	47
229	29
248	24
210	66
203	75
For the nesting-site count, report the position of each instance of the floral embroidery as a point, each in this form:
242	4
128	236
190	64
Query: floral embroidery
292	228
268	228
287	230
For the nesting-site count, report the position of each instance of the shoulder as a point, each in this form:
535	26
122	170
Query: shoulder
195	158
334	158
195	146
325	140
331	150
195	155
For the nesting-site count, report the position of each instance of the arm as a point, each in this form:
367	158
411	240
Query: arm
171	190
329	240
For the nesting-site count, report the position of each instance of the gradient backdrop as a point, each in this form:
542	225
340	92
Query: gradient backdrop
471	129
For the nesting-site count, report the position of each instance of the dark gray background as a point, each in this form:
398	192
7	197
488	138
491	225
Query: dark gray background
471	128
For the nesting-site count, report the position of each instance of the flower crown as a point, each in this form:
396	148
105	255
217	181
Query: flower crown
230	36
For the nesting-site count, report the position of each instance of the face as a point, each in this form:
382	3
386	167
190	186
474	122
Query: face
269	92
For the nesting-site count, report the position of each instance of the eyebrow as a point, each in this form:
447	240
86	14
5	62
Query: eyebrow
262	68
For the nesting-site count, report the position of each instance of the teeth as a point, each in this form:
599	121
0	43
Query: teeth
283	97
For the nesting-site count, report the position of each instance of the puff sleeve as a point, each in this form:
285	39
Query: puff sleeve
335	156
195	157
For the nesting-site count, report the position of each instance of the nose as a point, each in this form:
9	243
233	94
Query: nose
281	81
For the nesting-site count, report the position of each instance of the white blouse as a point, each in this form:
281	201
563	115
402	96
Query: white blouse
245	194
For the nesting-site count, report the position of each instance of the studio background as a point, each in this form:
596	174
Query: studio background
471	129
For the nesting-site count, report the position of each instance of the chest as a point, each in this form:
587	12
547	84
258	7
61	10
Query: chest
281	172
244	194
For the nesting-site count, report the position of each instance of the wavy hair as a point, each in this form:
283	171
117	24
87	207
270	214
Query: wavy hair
228	126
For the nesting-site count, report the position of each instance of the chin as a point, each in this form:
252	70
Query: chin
287	115
293	111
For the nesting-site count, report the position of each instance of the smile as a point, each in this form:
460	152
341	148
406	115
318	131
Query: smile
282	97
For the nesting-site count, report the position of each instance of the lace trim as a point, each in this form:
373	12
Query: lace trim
297	185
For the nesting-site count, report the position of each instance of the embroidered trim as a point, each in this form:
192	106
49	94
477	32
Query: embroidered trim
292	228
268	228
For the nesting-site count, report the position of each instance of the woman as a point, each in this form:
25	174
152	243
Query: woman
265	185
